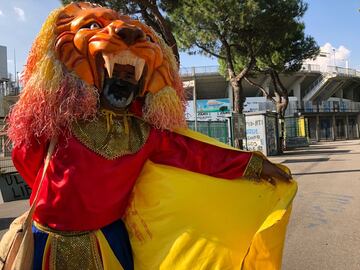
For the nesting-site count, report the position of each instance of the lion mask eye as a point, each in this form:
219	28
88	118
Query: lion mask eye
95	26
149	38
92	26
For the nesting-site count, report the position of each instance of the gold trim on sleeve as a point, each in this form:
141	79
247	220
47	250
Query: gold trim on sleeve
254	167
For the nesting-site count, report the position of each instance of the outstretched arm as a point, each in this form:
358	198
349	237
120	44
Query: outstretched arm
186	153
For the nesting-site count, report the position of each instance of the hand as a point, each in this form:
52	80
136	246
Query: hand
270	172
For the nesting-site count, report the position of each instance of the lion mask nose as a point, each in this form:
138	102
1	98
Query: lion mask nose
130	34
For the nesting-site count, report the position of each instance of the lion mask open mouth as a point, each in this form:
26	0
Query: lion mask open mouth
123	79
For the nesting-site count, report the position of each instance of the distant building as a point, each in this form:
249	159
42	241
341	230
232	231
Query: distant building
324	103
3	64
9	89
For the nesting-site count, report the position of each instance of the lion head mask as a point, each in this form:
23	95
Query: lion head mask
87	56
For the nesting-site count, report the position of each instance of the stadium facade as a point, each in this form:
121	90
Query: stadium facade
324	102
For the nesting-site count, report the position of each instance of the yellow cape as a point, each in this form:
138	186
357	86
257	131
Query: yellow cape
183	220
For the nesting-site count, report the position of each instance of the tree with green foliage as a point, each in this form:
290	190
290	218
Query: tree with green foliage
210	28
280	46
285	55
152	12
246	36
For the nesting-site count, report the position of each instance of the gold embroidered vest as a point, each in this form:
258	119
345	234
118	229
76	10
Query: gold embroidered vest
112	135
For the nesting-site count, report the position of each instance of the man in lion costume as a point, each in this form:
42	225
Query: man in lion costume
107	88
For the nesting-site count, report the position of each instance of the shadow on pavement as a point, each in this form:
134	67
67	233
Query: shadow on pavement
327	172
305	160
315	152
320	147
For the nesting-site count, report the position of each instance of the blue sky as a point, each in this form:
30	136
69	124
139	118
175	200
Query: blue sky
334	23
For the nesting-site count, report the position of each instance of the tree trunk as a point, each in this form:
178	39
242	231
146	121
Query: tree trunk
247	68
238	103
236	83
284	105
239	98
262	89
282	102
285	94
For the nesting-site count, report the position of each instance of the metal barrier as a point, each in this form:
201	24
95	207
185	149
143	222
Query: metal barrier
349	72
331	106
217	130
295	107
296	132
191	71
310	68
6	164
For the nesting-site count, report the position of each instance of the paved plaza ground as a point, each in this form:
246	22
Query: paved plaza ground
324	230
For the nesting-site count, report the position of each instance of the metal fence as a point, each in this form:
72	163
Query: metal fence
310	68
191	71
6	164
296	127
217	130
330	106
295	107
8	89
348	72
296	132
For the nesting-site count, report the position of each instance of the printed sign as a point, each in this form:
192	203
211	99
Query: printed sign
255	133
209	109
13	187
251	106
214	105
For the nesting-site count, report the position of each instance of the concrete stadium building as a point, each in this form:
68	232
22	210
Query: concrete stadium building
327	99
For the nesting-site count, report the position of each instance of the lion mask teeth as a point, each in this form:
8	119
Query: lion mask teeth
124	58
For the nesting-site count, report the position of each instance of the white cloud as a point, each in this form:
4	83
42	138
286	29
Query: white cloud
20	13
1	13
331	56
342	53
